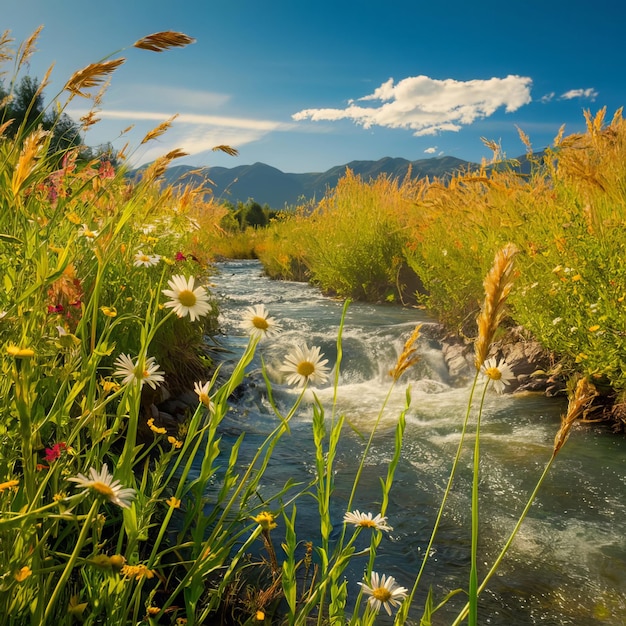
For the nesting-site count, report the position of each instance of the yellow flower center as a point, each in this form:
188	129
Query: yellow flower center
103	489
381	593
187	298
306	368
260	323
494	373
367	523
144	258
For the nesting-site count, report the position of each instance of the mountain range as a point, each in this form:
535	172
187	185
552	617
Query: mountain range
270	186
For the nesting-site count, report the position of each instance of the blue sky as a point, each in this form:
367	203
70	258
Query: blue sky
304	86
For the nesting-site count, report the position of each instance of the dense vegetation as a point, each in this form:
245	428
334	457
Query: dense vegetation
432	242
113	513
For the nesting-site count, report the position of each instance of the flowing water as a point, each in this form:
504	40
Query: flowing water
567	565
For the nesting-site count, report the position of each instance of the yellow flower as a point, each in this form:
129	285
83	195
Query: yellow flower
20	353
72	217
592	329
137	571
173	502
155	429
265	519
9	484
108	386
22	574
152	611
109	311
175	443
577	277
260	616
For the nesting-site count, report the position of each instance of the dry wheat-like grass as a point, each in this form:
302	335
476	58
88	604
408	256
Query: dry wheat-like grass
226	149
32	150
579	405
157	42
91	76
497	286
27	48
159	130
6	52
408	356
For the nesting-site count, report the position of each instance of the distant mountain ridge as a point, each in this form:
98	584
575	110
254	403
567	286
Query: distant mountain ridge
269	185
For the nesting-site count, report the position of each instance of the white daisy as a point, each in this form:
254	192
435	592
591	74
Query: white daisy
103	484
146	260
203	394
258	323
305	365
384	591
366	520
185	299
131	370
85	231
499	372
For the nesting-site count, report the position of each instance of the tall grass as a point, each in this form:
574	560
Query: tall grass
113	512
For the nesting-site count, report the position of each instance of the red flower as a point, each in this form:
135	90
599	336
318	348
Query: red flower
55	308
54	453
180	256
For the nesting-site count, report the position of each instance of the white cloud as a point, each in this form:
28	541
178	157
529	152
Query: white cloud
428	106
431	150
547	97
191	132
588	94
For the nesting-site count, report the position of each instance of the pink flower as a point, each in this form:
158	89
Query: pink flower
54	453
180	256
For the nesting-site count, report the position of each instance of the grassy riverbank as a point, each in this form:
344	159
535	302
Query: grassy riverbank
387	239
105	303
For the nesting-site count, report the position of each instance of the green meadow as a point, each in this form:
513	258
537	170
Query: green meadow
105	305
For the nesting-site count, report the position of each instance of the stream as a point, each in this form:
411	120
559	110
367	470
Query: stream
567	564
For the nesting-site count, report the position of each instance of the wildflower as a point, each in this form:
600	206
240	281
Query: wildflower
54	453
592	329
103	484
130	371
173	502
9	484
156	429
259	616
146	260
55	308
72	217
20	353
109	311
384	591
108	386
180	256
304	365
85	231
365	520
153	611
185	299
499	372
175	442
22	574
202	390
265	520
258	323
137	571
